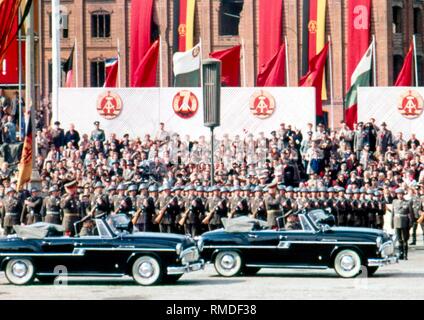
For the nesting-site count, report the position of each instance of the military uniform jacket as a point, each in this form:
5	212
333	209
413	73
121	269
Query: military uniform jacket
258	208
11	211
32	214
171	210
273	209
402	214
195	212
416	205
212	205
72	205
233	203
101	204
146	212
51	206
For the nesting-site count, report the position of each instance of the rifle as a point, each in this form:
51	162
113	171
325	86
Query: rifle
159	217
233	212
208	218
260	208
184	217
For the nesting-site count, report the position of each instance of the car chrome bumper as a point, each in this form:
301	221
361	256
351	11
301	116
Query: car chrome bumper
190	267
382	261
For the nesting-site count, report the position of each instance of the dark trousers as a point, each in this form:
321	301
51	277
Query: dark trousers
8	230
191	229
403	236
213	226
165	228
414	230
144	227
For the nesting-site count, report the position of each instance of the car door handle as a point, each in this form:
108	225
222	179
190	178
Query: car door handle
283	237
252	236
46	243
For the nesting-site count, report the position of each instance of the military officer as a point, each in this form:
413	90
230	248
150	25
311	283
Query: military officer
417	207
97	134
292	221
216	208
31	211
143	218
11	209
50	209
258	205
100	202
272	206
402	220
72	207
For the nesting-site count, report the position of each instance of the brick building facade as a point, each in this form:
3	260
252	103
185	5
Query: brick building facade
393	22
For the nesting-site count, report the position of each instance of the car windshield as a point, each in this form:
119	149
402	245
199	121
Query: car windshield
318	217
118	223
243	224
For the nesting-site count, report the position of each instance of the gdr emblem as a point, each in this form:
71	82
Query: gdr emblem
109	105
262	104
411	104
185	104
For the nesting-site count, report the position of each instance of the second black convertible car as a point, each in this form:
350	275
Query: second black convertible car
150	258
247	245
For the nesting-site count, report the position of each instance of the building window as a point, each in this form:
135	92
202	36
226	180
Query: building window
97	73
418	21
229	17
397	65
397	19
64	25
100	24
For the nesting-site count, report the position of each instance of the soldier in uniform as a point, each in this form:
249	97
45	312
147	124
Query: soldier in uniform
117	198
258	205
351	212
381	209
153	193
371	209
402	220
31	211
72	208
272	206
292	221
97	134
178	193
143	218
194	211
50	210
216	208
168	204
132	195
341	206
234	201
11	209
100	201
111	193
417	206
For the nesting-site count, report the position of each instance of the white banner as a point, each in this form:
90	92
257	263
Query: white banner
400	107
143	108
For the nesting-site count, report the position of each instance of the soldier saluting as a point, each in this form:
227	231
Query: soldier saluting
402	219
50	209
11	209
72	208
31	211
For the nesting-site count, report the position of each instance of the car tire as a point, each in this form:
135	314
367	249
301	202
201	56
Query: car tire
371	271
147	271
46	279
347	263
171	278
250	271
228	263
19	271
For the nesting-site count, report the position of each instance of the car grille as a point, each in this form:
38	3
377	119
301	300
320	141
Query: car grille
190	255
387	249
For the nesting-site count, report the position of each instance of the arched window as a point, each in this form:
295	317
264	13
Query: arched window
397	19
397	65
229	17
100	24
418	21
97	72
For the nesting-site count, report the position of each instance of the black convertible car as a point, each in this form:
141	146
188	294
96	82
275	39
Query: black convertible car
246	245
39	251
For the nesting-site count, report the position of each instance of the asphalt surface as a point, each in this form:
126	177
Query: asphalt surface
399	281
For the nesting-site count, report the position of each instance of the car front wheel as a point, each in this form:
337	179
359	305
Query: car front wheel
228	263
147	271
20	271
347	263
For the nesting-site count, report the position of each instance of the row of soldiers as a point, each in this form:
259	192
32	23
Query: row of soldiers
193	210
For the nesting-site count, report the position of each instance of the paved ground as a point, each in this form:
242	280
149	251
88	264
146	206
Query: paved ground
399	281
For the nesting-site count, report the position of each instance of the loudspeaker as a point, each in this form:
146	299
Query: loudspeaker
211	71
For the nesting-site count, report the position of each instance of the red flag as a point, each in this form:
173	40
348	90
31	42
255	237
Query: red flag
145	75
314	77
270	29
404	78
25	165
230	65
111	67
8	13
141	21
273	73
358	37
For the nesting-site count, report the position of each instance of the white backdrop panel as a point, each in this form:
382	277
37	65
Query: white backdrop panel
144	108
381	103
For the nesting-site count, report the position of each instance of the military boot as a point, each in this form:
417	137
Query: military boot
406	252
401	252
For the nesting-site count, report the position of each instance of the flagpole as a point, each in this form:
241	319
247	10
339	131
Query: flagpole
287	62
56	67
76	63
415	59
201	66
374	58
21	128
119	62
330	56
244	62
160	63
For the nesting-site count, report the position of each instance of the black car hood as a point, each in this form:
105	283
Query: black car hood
364	231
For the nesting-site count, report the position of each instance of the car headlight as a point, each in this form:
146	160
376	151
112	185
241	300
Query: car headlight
189	255
200	243
379	241
178	249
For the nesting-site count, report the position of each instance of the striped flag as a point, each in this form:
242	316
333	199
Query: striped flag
25	165
187	67
111	68
67	67
183	24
